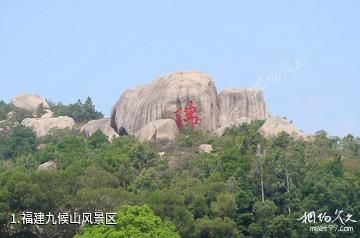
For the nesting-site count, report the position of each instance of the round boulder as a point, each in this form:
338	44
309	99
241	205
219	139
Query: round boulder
29	102
164	129
48	166
276	125
102	124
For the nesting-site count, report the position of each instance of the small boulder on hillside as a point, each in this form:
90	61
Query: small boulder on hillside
205	148
29	102
48	166
103	125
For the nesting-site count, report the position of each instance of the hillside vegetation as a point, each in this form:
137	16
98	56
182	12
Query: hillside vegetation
247	187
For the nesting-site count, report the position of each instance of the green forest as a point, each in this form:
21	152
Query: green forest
248	186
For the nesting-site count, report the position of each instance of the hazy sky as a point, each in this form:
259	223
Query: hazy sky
305	55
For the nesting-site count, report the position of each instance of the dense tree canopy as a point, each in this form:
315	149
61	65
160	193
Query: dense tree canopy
135	222
79	111
248	186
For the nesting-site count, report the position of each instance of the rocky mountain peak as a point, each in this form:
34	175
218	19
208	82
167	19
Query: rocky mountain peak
161	99
164	96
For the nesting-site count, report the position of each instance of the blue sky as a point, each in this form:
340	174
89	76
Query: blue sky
304	54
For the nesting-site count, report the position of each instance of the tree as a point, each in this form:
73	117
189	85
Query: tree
19	141
166	205
264	212
79	111
350	147
40	110
142	156
98	140
135	222
225	206
4	110
217	228
19	114
280	227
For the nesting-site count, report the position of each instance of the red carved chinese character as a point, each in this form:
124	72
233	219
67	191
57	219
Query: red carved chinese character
189	113
178	117
190	117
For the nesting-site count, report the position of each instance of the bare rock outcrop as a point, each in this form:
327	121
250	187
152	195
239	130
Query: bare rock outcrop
42	126
275	125
29	102
160	100
159	130
205	148
48	166
103	125
139	110
241	103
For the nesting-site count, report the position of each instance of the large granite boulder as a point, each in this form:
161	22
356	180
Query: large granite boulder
241	103
161	99
275	125
159	130
29	102
42	126
103	125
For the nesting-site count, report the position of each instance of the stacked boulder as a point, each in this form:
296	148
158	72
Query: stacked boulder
102	125
142	111
46	123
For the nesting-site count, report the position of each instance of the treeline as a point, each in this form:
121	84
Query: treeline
79	111
247	187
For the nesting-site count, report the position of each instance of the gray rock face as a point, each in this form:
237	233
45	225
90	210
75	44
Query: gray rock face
158	100
48	166
161	99
42	126
275	125
29	102
163	129
241	103
102	124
